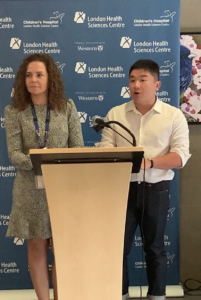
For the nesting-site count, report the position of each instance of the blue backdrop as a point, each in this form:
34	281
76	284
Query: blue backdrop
94	45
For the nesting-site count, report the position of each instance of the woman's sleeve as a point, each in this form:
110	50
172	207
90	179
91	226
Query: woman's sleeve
14	140
75	139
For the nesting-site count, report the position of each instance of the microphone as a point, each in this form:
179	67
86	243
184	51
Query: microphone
98	124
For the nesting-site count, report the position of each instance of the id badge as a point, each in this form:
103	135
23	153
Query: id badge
39	182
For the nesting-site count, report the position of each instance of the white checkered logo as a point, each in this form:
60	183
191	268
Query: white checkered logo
18	241
80	67
79	17
82	116
15	43
125	42
125	92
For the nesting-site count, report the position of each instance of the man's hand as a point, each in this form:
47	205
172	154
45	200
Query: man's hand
146	164
166	162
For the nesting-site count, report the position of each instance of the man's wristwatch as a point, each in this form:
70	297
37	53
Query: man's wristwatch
152	163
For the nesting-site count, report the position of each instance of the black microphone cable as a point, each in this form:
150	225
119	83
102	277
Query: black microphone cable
141	229
192	287
108	126
124	127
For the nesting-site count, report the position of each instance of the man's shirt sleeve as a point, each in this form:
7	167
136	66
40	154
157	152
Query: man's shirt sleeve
179	141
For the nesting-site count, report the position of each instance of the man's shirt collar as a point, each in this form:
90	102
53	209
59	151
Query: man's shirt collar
131	106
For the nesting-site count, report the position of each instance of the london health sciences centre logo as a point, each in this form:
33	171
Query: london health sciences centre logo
18	241
97	72
6	23
79	17
15	43
80	67
6	73
125	92
82	116
30	47
126	42
99	21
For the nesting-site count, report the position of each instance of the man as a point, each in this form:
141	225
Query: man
162	131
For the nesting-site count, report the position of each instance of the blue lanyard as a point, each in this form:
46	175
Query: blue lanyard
47	124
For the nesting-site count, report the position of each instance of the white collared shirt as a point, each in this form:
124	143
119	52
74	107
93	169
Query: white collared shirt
160	131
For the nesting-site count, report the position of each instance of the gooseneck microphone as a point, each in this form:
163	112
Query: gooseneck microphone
98	124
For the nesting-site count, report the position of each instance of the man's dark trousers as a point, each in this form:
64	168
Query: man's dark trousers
150	200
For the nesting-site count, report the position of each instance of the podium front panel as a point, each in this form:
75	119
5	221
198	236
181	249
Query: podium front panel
87	205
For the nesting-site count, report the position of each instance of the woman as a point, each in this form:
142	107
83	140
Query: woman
38	117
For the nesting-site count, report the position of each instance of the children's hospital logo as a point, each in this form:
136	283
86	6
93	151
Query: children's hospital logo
168	14
167	67
171	212
79	17
60	66
165	19
57	16
50	22
170	257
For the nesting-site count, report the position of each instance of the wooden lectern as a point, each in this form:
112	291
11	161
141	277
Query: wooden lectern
87	190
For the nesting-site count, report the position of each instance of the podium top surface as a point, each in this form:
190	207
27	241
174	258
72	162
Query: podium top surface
86	155
86	150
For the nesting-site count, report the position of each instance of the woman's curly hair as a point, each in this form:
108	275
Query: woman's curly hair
56	92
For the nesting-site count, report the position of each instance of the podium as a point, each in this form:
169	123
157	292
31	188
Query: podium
87	190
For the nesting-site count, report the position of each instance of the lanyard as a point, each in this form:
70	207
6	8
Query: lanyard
47	124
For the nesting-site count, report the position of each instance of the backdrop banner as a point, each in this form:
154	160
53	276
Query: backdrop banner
94	44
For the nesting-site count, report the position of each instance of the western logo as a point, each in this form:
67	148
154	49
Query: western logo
90	96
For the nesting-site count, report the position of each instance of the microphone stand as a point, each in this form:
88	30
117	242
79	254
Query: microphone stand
101	124
125	128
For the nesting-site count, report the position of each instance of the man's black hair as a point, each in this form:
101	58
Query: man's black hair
148	65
